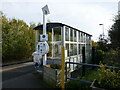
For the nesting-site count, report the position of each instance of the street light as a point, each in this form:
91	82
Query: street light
102	29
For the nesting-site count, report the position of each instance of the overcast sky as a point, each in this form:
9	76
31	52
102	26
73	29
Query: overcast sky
85	15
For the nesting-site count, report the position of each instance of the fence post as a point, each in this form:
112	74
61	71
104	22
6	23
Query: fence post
83	61
63	68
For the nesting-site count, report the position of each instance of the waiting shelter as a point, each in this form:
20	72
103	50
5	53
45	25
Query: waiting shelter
71	38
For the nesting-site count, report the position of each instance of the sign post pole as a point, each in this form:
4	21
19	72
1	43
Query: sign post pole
45	12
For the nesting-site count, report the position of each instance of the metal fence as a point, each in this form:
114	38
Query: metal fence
83	71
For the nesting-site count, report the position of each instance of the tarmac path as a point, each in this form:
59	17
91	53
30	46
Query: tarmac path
22	76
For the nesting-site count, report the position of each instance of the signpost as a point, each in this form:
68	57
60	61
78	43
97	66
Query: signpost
44	36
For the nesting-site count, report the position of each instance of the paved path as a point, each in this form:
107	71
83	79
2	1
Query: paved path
22	76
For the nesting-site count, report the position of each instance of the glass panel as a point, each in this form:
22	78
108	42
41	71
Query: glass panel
75	49
75	60
49	32
67	48
71	65
84	38
57	34
71	35
88	40
57	50
49	54
79	49
71	49
75	36
79	36
66	34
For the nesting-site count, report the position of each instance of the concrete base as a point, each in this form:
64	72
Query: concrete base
52	76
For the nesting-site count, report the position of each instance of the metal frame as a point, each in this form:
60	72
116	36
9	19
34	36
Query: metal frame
84	64
82	39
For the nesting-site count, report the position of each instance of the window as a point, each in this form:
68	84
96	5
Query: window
71	49
75	49
82	36
67	48
57	50
71	35
49	54
66	34
79	49
75	36
57	34
79	36
49	34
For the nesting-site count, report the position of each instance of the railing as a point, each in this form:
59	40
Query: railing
85	64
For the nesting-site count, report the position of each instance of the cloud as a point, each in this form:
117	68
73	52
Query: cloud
59	0
85	15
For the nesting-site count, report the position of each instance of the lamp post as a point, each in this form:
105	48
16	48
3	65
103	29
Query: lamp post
102	29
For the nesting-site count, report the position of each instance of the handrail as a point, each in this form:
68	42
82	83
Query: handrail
74	56
95	65
79	80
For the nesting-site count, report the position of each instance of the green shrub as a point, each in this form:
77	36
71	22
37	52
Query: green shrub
108	78
55	66
112	58
99	56
90	76
105	78
77	85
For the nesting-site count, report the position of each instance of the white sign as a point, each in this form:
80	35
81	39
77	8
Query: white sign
44	37
42	48
45	10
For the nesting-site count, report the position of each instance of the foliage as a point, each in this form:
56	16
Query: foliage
101	48
82	85
55	66
114	33
108	78
99	56
105	78
18	39
94	44
93	74
77	84
112	58
102	43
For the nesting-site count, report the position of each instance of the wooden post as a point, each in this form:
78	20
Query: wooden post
63	57
93	56
63	68
83	61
